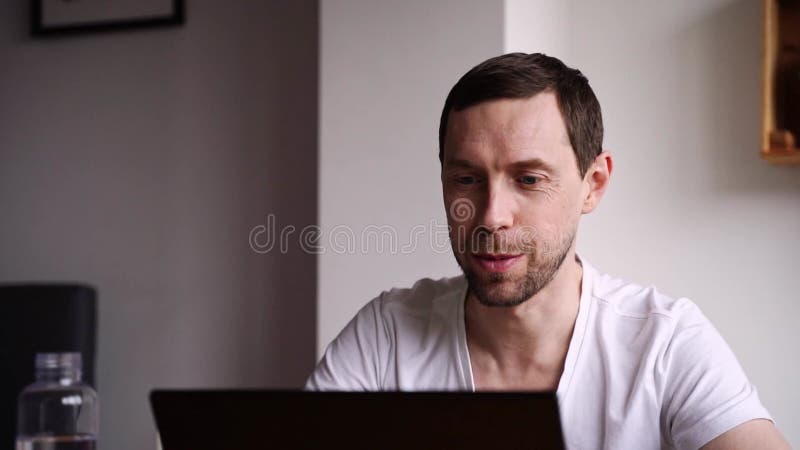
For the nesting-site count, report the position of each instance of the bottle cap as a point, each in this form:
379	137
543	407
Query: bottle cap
59	361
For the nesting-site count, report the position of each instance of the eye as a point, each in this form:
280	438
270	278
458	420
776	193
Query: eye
466	180
528	179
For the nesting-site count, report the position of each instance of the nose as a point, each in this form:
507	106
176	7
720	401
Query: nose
498	209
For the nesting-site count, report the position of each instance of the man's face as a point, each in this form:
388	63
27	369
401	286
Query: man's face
513	195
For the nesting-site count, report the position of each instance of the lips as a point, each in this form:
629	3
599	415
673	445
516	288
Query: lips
496	262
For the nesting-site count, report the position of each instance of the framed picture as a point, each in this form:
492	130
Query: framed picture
780	82
78	16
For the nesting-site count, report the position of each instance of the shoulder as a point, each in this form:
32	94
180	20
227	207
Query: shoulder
633	300
364	352
640	306
640	320
410	317
403	311
641	324
425	297
700	385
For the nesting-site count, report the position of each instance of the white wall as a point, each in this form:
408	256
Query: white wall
139	161
537	26
691	208
385	69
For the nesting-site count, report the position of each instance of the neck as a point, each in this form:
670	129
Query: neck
534	334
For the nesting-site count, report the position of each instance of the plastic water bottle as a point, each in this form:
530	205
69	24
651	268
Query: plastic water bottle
58	411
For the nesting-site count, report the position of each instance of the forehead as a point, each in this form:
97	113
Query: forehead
506	130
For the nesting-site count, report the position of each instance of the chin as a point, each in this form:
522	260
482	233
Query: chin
502	296
495	289
513	286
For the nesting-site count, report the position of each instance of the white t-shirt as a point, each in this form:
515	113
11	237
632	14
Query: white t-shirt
643	371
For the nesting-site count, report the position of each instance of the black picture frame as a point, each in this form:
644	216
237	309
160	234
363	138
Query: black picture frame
39	28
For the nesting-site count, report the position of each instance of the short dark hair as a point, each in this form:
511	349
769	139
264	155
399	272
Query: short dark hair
521	75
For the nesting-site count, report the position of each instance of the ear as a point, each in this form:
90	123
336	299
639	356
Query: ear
596	181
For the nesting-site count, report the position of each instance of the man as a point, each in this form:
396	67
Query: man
520	146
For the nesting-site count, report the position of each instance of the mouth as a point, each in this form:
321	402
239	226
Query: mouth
496	262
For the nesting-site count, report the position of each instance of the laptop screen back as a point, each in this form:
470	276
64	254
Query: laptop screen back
245	419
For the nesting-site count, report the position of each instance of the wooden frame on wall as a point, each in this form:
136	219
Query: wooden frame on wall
59	17
780	141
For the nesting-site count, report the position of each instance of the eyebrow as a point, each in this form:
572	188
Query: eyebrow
532	163
463	163
523	164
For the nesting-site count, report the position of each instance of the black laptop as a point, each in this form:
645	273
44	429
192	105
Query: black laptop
268	419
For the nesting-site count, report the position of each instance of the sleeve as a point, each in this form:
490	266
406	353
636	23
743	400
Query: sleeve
706	391
353	361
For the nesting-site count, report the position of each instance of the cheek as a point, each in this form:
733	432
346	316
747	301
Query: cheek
460	210
567	203
550	219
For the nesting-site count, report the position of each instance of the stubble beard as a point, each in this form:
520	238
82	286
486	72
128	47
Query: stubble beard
543	264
